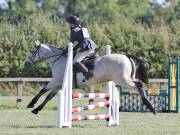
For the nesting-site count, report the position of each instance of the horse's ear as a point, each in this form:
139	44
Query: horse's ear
37	43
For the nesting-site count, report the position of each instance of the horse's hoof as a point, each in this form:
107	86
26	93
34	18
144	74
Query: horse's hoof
155	111
30	106
34	111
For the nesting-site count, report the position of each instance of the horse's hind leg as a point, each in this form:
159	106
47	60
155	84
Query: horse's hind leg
48	98
144	98
53	83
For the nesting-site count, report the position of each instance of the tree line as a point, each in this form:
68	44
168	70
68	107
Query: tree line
129	26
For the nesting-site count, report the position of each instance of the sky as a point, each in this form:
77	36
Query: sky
163	3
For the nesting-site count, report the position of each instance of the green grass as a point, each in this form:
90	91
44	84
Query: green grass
22	121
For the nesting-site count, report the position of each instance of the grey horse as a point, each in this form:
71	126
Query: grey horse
114	67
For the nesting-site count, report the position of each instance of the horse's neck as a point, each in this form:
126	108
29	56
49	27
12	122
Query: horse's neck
52	55
53	60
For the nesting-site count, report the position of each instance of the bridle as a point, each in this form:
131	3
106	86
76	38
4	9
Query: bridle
33	56
36	52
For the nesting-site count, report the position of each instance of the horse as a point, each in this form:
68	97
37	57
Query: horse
118	68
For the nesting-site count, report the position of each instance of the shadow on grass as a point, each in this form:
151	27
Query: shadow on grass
78	126
39	127
30	127
35	127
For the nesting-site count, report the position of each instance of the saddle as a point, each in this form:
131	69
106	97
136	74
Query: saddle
89	62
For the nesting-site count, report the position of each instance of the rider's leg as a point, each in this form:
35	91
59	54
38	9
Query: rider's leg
77	62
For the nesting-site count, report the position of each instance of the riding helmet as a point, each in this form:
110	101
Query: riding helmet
73	20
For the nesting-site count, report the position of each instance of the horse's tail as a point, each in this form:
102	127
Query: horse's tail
142	69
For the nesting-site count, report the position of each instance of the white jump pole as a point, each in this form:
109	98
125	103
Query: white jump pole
65	95
114	100
109	88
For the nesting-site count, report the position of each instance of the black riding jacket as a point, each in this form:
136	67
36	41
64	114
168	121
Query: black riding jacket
84	43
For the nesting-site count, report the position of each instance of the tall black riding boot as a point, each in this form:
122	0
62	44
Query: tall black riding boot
84	70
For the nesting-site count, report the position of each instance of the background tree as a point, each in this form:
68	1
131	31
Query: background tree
129	26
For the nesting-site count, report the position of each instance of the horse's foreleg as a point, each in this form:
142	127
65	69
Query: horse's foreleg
48	98
51	85
144	98
35	99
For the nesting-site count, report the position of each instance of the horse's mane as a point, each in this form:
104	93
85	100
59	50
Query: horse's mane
54	48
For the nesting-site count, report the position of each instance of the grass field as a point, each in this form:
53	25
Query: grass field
22	121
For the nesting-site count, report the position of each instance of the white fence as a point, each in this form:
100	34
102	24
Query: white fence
20	82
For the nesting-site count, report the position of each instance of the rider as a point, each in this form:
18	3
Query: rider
85	46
